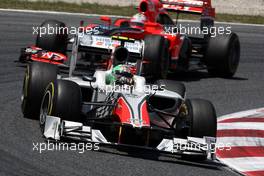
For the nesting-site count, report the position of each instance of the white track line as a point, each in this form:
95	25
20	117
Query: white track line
114	16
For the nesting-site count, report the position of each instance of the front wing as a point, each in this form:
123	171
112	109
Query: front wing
56	129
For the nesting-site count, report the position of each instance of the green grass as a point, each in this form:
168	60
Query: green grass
111	10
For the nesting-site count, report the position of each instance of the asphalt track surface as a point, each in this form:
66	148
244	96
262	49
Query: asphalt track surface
17	134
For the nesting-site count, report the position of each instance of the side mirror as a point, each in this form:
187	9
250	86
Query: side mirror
89	78
106	19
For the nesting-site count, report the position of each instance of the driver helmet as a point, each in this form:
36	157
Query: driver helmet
138	20
119	73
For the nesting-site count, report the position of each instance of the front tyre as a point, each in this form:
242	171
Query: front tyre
202	118
61	99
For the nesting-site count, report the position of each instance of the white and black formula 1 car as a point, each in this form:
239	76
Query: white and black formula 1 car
117	107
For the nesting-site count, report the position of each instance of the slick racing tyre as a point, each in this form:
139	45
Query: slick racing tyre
52	36
61	99
37	77
156	52
202	118
222	55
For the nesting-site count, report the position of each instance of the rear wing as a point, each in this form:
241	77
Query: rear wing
203	7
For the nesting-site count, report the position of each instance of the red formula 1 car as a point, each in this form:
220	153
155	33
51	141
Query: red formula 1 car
154	39
218	53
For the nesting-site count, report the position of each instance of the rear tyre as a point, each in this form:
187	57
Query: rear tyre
37	77
222	55
62	99
56	41
156	52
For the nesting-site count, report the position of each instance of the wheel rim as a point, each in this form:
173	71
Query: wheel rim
44	109
183	122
